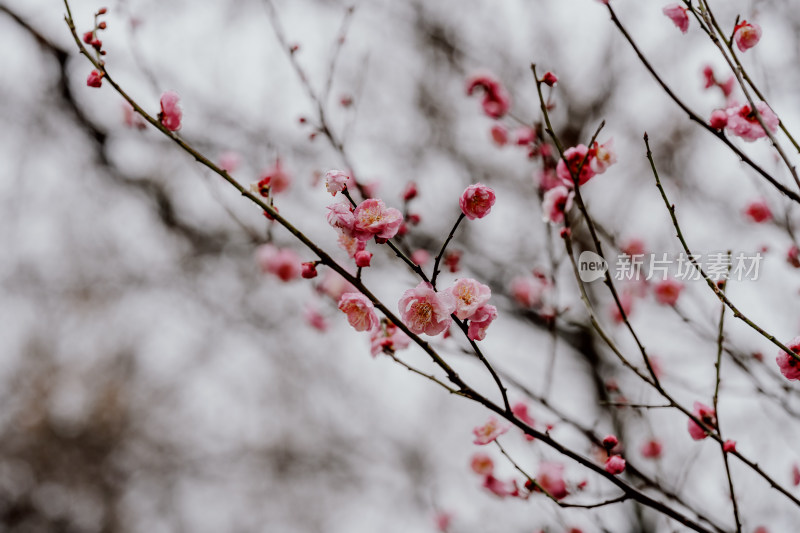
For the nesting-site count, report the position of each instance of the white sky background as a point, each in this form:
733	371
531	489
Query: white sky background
236	415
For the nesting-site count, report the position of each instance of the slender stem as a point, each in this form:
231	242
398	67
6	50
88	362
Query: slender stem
720	294
462	324
441	251
718	365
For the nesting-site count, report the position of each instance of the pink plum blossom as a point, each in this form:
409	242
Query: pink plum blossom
496	100
315	319
706	415
480	322
476	201
359	310
426	311
668	291
575	156
555	204
333	285
527	291
551	478
729	446
341	217
789	366
742	121
651	449
758	211
549	79
795	474
373	219
350	244
499	134
420	257
337	181
500	488
546	179
229	161
520	410
524	135
389	338
469	295
488	432
746	35
718	119
482	464
679	16
603	156
283	263
171	113
275	178
615	465
442	521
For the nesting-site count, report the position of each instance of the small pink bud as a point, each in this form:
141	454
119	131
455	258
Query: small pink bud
88	37
102	25
615	465
565	232
95	79
499	135
414	219
758	211
549	79
729	446
451	260
651	449
719	119
411	192
102	11
362	258
309	270
610	442
477	201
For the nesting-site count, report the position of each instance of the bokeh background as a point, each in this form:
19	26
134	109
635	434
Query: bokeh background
153	378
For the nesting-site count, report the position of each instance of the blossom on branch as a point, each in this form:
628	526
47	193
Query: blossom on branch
746	35
476	201
359	310
488	432
679	16
171	113
426	311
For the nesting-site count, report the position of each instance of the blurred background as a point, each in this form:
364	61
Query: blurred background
154	378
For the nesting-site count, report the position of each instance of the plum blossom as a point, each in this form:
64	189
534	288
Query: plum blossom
488	432
555	204
337	181
426	311
707	415
546	179
524	135
746	35
410	192
340	216
742	121
315	319
651	449
333	285
500	488
171	114
499	134
615	465
668	291
350	244
795	474
442	521
229	161
469	295
359	310
496	100
95	79
476	201
758	211
420	257
480	322
373	219
549	79
575	156
520	410
551	479
603	156
729	446
527	291
679	16
275	179
790	367
610	442
283	263
718	119
388	338
482	464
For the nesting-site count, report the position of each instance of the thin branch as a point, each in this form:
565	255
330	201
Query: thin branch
441	251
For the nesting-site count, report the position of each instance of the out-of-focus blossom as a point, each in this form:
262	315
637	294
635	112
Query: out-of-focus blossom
743	123
359	310
626	301
476	201
528	291
388	337
442	521
229	161
451	260
667	291
603	156
488	432
95	79
315	319
425	311
707	415
555	204
171	113
283	263
651	449
746	35
524	136
551	478
499	134
718	119
482	464
575	156
758	211
789	366
276	178
496	101
678	15
420	257
333	285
